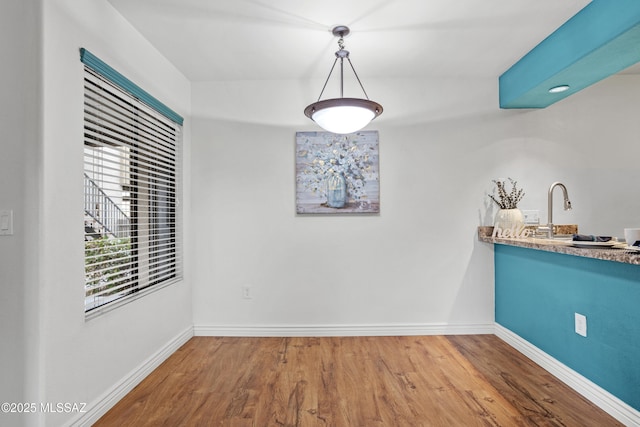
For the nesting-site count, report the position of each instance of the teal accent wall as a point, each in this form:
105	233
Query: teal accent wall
537	294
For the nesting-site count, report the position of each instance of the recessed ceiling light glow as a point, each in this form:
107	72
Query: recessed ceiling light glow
558	89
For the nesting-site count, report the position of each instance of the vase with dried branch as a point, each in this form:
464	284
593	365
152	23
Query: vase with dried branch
509	216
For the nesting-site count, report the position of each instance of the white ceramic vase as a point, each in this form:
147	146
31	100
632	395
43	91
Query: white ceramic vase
508	219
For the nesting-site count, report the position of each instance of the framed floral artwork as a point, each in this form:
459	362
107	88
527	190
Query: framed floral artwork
337	173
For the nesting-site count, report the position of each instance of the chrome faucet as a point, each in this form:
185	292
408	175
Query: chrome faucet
567	205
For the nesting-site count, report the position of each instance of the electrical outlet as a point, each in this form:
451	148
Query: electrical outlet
531	216
246	292
581	324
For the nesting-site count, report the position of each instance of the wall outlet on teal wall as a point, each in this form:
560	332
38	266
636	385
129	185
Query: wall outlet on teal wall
581	324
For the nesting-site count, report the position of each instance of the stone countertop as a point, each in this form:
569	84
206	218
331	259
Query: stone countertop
562	247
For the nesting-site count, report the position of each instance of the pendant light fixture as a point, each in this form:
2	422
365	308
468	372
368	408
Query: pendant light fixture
343	115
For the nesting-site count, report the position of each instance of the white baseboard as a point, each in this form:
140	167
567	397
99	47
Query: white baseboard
108	399
591	391
342	330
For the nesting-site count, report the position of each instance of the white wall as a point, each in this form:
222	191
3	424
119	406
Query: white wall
416	265
589	142
19	117
76	360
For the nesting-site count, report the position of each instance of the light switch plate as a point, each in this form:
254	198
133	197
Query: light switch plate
6	222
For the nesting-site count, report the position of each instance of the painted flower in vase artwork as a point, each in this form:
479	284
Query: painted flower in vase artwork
323	157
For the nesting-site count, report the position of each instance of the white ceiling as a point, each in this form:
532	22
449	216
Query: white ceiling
220	40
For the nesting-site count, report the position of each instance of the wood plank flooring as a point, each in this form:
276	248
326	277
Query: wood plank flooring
474	380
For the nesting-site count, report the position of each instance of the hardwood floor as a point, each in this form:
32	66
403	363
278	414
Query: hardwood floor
474	380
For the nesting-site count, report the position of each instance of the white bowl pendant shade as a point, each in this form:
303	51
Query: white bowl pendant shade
343	119
343	115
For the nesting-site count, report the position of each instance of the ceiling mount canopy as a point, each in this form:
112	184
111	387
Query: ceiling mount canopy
343	115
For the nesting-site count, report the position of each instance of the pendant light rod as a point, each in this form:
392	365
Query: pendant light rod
358	78
341	74
341	31
327	81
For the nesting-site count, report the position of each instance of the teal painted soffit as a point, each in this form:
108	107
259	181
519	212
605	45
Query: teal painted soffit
600	40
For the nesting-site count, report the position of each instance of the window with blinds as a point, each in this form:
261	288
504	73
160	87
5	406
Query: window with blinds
132	183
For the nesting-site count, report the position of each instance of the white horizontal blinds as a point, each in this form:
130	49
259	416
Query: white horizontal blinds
132	186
